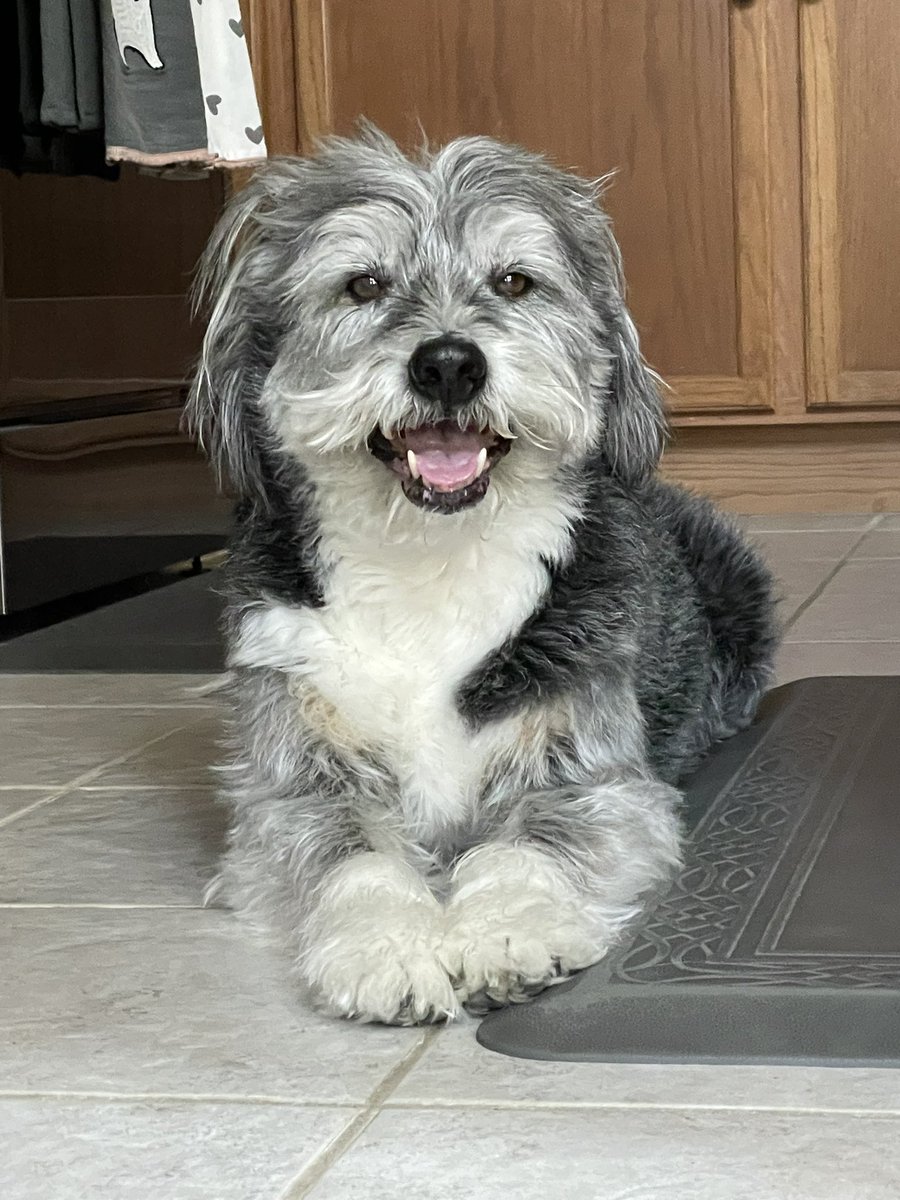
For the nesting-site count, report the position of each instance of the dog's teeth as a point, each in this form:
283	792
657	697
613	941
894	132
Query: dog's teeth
482	460
413	468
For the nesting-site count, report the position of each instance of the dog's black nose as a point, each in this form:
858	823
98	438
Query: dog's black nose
449	370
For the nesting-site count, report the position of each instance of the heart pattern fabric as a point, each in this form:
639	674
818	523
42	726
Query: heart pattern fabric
233	124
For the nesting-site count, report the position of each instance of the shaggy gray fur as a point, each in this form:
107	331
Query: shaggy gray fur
651	634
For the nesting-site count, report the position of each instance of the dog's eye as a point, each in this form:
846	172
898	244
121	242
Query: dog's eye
513	285
365	288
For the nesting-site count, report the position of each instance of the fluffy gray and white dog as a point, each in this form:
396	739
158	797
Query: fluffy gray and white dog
474	642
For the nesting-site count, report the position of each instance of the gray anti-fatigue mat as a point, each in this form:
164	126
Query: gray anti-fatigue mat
780	940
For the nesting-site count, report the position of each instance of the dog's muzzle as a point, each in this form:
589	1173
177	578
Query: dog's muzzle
444	465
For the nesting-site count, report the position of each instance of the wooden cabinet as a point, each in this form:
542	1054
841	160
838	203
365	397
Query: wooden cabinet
756	151
93	282
97	480
676	97
851	117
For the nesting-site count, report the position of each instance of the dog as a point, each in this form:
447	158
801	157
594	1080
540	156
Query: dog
474	642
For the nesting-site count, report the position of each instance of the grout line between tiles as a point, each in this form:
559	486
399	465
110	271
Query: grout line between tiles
250	1098
175	704
759	532
56	793
210	788
823	584
103	905
637	1106
324	1159
44	788
842	641
875	519
261	1098
33	807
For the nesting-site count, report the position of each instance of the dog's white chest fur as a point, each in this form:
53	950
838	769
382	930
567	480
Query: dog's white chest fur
403	625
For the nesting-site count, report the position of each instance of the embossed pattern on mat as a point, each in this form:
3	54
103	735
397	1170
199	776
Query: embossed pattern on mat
780	939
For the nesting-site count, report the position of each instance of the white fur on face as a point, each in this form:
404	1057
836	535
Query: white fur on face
346	374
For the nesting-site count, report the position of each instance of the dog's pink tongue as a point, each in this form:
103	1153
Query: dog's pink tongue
447	471
446	456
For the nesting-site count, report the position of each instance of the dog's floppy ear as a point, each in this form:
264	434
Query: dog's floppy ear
635	416
233	285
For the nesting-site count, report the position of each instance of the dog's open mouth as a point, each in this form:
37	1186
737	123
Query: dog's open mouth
441	466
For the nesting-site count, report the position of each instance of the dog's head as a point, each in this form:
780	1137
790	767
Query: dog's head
441	319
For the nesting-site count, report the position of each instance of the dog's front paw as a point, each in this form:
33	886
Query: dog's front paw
380	968
371	948
501	952
515	925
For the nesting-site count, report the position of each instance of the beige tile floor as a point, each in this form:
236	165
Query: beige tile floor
150	1049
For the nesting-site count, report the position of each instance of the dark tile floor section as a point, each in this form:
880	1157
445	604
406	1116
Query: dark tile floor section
173	628
43	569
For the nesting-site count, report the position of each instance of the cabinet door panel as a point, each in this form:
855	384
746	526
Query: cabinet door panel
851	111
679	97
94	277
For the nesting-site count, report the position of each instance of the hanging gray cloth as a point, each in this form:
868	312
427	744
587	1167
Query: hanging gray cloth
161	83
31	83
72	65
153	100
87	48
27	145
178	84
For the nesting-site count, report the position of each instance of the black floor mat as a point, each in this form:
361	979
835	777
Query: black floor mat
780	940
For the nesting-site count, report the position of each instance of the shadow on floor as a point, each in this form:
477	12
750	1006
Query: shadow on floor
170	628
